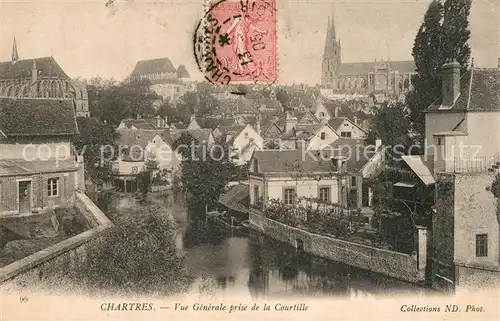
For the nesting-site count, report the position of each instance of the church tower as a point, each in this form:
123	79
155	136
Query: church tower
331	56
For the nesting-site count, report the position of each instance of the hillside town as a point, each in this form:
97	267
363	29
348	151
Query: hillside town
386	166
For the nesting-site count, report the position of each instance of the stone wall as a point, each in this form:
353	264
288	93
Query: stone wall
390	263
59	258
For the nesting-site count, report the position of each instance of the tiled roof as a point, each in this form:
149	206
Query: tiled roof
303	132
479	91
46	67
182	72
37	117
335	122
150	66
236	198
356	152
179	125
363	68
141	137
201	135
139	123
12	167
291	161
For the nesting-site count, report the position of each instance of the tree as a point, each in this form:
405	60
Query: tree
93	139
283	97
391	124
136	256
442	37
198	168
173	114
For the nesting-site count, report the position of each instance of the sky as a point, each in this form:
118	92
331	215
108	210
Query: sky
89	39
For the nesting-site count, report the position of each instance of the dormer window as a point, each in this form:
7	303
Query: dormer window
323	136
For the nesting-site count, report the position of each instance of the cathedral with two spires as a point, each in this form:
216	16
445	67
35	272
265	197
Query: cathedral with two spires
392	78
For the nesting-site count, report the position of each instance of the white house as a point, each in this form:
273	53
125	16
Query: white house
138	148
346	128
306	136
244	141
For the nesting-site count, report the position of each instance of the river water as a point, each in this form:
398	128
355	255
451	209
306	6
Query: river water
222	264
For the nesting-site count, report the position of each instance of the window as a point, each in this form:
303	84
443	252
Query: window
289	196
322	114
346	134
323	136
439	142
134	169
346	124
481	245
324	194
52	186
245	135
256	194
353	181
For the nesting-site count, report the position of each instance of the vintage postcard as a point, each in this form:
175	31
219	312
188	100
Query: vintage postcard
250	159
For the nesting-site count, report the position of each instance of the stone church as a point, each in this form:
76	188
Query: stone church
41	78
390	77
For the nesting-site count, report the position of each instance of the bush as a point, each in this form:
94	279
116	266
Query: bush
136	256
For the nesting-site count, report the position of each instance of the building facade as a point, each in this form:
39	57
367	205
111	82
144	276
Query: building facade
41	78
38	169
166	81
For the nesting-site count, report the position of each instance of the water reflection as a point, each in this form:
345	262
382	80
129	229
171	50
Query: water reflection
222	265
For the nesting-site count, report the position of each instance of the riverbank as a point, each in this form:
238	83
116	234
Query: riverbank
394	264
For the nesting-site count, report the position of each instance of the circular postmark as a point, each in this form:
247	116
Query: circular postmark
235	42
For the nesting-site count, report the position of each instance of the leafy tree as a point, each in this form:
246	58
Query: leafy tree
391	124
173	114
136	256
144	182
93	139
442	37
198	168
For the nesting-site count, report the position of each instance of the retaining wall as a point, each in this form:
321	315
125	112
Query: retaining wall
398	265
59	258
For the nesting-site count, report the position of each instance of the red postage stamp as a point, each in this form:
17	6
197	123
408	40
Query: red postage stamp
236	42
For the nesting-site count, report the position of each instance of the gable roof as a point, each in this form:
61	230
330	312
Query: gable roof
46	67
141	137
179	125
363	68
37	117
479	91
291	161
335	122
303	132
150	66
201	135
236	198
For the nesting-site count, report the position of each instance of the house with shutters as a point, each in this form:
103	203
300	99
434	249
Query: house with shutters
39	170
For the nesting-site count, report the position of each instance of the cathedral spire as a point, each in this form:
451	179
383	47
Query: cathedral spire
15	55
333	23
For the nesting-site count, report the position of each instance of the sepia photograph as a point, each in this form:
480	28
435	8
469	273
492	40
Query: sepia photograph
250	159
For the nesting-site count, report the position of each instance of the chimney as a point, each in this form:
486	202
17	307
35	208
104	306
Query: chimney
158	121
34	72
138	116
355	119
192	117
378	143
336	112
166	121
450	83
290	123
